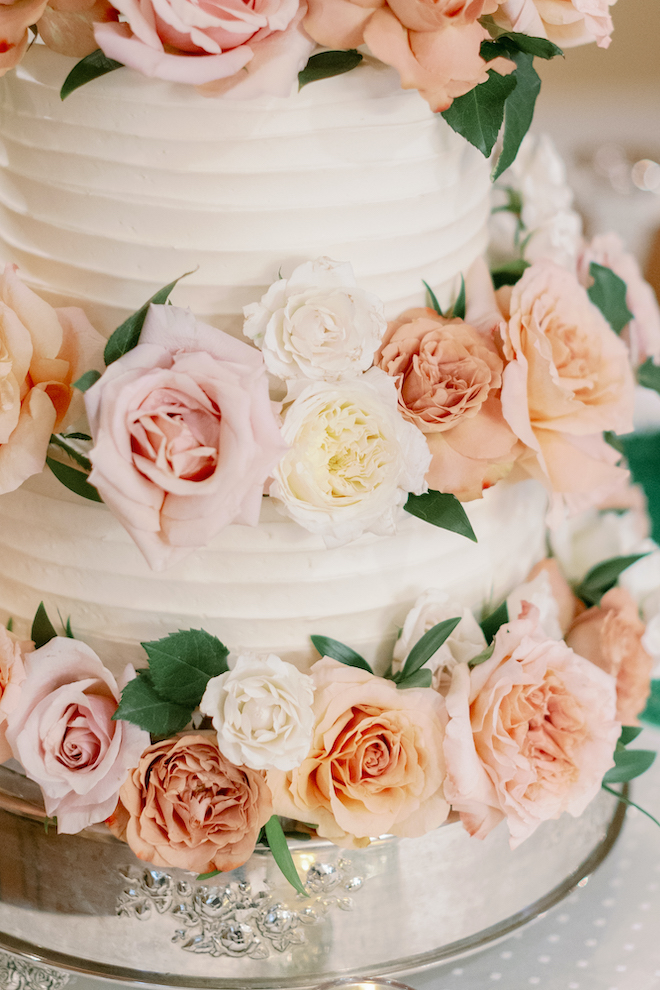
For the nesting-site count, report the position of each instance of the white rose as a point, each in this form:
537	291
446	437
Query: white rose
262	712
353	459
588	538
464	643
317	324
537	592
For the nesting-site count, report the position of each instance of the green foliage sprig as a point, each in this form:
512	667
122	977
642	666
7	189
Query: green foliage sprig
324	65
604	576
90	67
442	510
608	293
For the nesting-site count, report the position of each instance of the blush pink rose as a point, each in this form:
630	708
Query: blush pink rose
184	435
448	376
186	805
16	16
375	764
12	675
610	635
567	23
42	352
252	46
568	606
531	733
566	380
643	332
62	733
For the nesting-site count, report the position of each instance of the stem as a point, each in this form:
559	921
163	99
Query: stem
610	790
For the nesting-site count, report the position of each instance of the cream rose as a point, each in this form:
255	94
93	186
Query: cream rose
353	459
375	765
12	675
42	352
184	435
531	733
316	324
262	712
565	22
464	643
186	805
62	733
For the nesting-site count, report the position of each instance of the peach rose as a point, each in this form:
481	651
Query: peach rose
42	352
184	435
12	675
530	734
186	805
567	379
16	16
375	764
67	26
565	606
567	23
62	732
250	46
610	635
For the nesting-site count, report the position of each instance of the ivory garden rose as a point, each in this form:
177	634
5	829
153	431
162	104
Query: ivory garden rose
12	675
531	732
62	732
565	22
186	805
375	764
184	435
42	352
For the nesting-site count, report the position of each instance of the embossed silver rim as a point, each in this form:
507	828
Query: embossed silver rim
395	967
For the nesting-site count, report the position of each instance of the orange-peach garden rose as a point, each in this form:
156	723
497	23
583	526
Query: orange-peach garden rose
375	764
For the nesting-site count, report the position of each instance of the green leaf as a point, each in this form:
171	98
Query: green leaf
207	876
518	110
626	800
513	41
432	298
87	380
10	624
604	576
425	647
628	733
478	115
441	510
43	629
492	622
182	664
126	336
76	436
458	311
328	647
648	375
280	849
73	479
142	705
327	64
608	293
510	273
48	822
421	678
91	67
651	713
614	441
482	657
630	763
71	452
68	630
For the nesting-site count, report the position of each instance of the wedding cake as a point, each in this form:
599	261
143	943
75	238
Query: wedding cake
303	491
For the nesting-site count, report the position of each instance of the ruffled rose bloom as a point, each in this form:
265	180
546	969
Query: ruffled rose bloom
531	733
248	47
548	591
567	379
433	44
375	765
643	332
610	635
317	324
448	376
12	675
184	435
353	459
42	352
262	712
62	733
186	805
565	22
16	16
464	643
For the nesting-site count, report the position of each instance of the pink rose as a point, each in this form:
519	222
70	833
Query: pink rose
62	733
44	350
448	376
16	16
12	675
375	763
643	332
610	635
67	26
253	47
186	805
565	22
568	606
531	732
184	435
568	378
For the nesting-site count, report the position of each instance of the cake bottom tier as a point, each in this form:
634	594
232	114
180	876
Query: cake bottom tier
86	904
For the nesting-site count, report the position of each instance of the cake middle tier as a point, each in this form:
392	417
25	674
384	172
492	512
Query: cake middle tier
262	589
